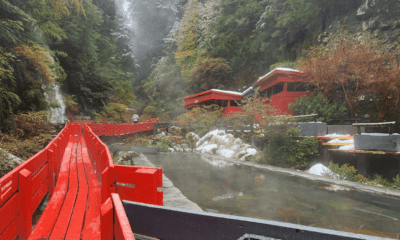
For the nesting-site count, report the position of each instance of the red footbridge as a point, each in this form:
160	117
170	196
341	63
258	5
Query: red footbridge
90	197
84	186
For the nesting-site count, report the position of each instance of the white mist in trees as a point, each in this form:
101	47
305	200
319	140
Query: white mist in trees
152	21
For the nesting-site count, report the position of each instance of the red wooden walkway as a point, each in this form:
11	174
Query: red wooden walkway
84	186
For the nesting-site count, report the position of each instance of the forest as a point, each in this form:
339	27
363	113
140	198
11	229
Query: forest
147	55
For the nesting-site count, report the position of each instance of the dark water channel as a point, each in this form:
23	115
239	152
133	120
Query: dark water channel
224	187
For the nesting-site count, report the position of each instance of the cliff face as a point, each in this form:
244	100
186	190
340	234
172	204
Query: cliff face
376	20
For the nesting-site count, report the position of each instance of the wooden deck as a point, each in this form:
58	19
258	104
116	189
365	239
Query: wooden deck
73	211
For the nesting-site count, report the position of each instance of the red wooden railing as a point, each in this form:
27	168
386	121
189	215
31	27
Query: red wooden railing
22	189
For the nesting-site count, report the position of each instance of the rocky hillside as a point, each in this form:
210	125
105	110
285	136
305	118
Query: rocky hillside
376	20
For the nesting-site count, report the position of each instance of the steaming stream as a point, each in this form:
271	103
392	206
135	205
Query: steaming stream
224	187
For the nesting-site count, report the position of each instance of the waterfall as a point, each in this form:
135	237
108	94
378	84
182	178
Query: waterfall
56	115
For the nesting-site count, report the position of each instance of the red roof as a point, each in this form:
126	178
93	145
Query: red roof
213	94
281	75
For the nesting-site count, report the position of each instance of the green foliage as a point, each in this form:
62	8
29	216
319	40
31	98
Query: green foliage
286	64
149	110
165	88
346	171
186	37
316	103
305	149
287	151
210	72
279	132
201	119
113	112
71	104
165	145
29	135
396	182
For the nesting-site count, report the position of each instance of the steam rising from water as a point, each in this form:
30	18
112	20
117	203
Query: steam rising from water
146	25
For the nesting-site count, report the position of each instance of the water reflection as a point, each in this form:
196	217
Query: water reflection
228	188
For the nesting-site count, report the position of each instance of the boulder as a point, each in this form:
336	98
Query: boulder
12	158
320	170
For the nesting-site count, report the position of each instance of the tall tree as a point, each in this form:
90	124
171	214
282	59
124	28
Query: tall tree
356	72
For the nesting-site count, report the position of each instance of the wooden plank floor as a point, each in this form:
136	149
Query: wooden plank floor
73	211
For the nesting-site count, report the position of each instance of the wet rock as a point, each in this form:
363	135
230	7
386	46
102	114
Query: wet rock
365	26
384	26
396	24
364	11
225	145
175	130
320	170
14	159
372	24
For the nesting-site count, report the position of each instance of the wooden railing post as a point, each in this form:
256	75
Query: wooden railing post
104	185
106	220
51	162
25	212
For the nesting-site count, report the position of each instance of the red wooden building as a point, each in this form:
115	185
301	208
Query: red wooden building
280	86
283	86
227	99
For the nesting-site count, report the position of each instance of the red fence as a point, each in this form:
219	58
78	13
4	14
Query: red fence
121	129
119	179
22	189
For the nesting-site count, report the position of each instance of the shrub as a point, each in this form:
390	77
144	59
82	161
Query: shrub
396	182
201	119
288	152
113	112
316	103
305	149
71	103
29	136
165	145
346	171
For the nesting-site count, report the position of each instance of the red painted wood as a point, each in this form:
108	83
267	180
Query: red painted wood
75	205
91	229
51	174
209	95
77	220
107	220
8	212
91	176
47	220
39	195
125	174
40	176
24	200
8	185
125	192
65	215
146	186
104	186
122	228
11	232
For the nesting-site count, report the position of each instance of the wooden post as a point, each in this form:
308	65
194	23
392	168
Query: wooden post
50	159
106	222
25	197
104	185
